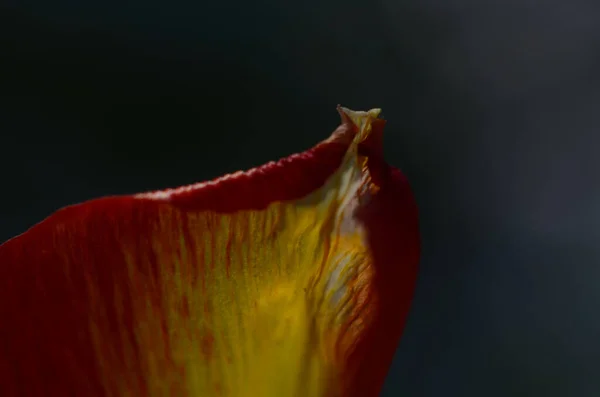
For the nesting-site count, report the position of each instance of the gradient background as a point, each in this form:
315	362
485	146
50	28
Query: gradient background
494	115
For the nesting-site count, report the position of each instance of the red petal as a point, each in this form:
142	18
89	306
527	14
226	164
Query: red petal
140	295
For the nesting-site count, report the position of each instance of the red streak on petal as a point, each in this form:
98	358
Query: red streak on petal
207	345
185	308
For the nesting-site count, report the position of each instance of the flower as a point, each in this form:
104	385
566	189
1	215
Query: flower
291	279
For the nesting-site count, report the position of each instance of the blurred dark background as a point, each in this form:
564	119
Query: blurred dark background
493	109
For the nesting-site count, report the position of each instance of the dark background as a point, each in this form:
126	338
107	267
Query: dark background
493	109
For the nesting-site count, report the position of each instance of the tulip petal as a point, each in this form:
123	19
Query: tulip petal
291	279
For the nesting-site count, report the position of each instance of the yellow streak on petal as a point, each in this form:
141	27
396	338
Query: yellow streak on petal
254	303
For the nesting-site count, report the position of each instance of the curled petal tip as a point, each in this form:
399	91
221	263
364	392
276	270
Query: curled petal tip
359	117
357	125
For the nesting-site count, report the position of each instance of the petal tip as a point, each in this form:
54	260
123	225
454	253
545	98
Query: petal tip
359	117
367	126
355	125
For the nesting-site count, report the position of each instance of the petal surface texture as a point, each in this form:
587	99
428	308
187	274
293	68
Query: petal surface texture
291	279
